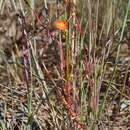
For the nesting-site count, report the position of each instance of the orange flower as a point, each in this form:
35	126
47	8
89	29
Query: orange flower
61	24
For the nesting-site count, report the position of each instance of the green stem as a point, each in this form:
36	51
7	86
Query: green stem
67	57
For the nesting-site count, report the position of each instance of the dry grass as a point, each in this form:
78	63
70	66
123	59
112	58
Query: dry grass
64	79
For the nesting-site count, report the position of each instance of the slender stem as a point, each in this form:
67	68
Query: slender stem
67	56
125	19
